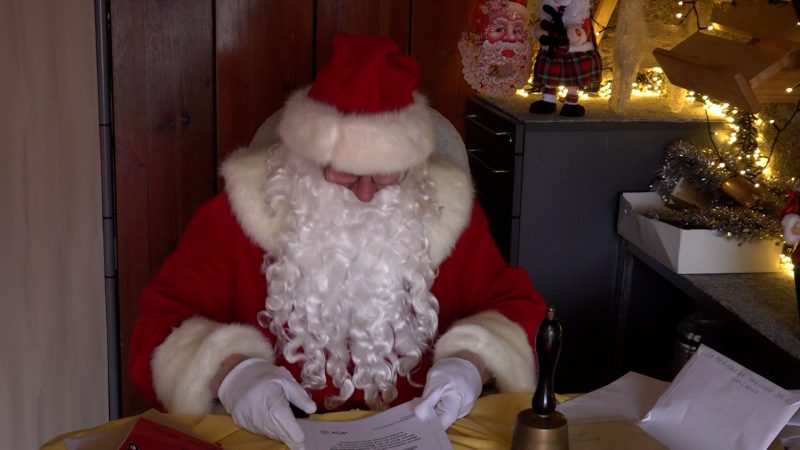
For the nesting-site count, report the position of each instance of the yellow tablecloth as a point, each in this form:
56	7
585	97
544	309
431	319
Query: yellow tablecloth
489	426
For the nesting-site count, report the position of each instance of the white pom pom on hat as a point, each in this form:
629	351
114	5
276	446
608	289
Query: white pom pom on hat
362	114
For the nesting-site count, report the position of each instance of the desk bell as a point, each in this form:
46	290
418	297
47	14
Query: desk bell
542	427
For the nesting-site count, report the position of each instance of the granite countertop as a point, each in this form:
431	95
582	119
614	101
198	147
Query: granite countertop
640	109
765	302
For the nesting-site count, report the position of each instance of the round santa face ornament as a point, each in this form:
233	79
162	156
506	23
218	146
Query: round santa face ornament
496	49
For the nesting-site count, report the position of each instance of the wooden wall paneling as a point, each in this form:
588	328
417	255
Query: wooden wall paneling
436	28
164	139
388	18
263	53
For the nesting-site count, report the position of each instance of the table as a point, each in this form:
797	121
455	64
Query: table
488	427
759	310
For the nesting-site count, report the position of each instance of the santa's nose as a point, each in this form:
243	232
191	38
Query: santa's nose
364	189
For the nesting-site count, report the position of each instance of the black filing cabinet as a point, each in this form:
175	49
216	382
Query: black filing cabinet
495	161
550	187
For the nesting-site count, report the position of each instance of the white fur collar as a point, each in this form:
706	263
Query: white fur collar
246	170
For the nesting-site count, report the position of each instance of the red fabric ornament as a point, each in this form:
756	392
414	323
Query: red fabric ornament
791	205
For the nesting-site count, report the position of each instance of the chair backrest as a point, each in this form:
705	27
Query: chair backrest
448	142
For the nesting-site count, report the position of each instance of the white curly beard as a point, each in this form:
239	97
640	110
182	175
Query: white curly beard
349	282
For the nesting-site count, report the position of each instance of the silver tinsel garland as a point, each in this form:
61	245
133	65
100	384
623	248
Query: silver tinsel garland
705	172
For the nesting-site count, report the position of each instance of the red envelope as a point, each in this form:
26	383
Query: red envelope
149	435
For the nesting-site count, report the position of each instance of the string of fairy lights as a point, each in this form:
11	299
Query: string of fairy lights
739	149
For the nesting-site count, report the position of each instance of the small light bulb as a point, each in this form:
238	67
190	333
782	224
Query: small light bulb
789	90
679	15
710	28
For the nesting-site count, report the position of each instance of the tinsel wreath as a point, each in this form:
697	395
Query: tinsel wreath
701	169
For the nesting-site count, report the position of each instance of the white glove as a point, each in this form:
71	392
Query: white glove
257	394
452	387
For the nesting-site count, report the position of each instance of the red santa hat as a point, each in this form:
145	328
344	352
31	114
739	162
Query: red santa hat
362	114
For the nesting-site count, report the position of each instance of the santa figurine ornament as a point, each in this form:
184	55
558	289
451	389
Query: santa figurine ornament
496	50
567	55
790	221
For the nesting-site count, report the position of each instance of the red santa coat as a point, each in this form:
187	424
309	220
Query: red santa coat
201	306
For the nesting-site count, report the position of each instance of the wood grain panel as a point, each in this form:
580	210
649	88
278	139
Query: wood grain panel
388	18
263	53
163	103
436	28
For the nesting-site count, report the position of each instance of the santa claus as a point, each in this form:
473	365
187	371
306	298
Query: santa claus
790	221
344	267
567	55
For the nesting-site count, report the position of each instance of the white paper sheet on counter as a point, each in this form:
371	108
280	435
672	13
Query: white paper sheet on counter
716	403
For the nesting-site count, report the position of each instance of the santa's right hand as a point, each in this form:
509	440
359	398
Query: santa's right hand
257	394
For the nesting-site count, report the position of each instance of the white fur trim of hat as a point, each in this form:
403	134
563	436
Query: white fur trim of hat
362	114
384	142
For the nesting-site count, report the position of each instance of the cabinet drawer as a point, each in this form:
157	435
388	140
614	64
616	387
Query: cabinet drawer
499	132
493	162
493	175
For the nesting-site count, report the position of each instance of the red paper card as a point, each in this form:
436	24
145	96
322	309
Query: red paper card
149	435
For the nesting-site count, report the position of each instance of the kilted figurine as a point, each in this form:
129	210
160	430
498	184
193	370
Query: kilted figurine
567	55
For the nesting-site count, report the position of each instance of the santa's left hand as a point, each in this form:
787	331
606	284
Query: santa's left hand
451	390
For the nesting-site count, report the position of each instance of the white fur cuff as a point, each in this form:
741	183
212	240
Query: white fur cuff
501	343
185	363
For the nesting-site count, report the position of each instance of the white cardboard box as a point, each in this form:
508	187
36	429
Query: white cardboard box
690	251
